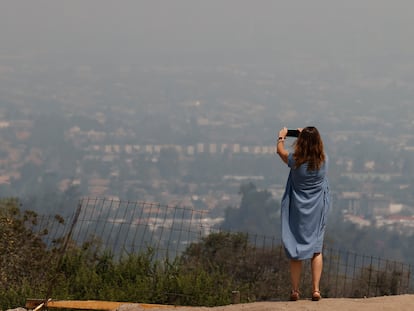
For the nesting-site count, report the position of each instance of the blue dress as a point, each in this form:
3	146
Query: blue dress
304	209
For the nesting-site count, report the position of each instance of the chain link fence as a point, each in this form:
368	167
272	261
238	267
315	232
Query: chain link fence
125	227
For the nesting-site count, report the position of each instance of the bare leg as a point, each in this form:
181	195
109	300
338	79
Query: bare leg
295	271
317	264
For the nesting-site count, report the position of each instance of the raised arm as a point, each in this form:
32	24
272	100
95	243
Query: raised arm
280	145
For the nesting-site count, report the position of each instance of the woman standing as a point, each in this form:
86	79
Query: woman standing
305	205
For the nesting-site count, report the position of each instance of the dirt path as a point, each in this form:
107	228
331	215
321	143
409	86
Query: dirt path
389	303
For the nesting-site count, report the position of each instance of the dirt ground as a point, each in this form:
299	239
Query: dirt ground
388	303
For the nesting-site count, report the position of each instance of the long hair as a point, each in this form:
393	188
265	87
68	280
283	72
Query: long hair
308	148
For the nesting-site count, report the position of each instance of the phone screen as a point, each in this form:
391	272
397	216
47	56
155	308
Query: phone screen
293	133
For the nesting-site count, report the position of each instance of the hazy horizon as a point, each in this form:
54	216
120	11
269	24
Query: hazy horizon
216	32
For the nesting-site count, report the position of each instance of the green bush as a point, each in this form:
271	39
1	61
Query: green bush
24	258
205	274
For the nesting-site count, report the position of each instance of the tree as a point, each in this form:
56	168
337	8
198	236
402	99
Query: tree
258	212
24	258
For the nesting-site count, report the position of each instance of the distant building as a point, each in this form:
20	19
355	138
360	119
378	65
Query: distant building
190	150
4	124
213	148
148	148
236	148
200	148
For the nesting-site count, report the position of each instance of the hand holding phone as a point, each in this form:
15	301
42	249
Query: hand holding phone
293	133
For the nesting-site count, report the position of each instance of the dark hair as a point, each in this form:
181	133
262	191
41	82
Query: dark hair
308	148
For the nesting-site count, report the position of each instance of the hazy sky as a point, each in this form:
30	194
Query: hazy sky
216	30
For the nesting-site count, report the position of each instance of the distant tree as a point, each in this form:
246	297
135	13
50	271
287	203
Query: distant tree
258	212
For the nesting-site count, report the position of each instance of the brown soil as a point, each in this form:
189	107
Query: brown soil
386	303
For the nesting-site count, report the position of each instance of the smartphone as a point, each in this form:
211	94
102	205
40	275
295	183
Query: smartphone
293	133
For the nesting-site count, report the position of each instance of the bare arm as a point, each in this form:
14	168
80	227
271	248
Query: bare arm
280	145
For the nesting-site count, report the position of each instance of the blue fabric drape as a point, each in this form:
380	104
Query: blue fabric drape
304	208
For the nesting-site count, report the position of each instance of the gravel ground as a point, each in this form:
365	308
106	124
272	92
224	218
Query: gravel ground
386	303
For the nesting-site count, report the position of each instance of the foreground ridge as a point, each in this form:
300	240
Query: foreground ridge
388	303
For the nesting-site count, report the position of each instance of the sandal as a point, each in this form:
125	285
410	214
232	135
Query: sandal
316	296
294	295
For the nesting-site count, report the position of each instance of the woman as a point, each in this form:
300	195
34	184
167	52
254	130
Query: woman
305	205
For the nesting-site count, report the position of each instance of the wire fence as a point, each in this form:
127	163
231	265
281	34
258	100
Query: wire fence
125	227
